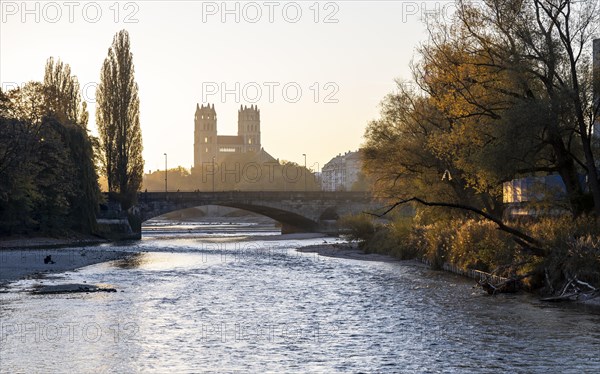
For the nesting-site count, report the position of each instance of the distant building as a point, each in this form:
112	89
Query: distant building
210	147
342	172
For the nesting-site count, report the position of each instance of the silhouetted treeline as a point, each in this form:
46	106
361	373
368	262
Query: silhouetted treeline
48	179
236	173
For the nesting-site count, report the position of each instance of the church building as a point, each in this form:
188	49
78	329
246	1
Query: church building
210	147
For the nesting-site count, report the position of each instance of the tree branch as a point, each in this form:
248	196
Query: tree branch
525	240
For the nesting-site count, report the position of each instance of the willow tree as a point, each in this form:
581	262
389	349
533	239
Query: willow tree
537	56
118	119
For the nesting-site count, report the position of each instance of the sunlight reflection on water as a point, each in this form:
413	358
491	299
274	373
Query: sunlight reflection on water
193	305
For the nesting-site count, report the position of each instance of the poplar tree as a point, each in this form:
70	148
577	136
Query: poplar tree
118	119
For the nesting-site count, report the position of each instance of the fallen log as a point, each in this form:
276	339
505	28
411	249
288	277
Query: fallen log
573	292
511	285
73	288
574	296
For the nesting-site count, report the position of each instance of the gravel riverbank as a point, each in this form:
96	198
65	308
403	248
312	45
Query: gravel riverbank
345	250
34	257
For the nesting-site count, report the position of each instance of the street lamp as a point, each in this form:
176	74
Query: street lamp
305	170
165	173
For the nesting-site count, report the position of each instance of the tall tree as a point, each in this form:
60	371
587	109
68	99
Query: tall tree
545	47
118	119
61	94
513	79
401	154
63	103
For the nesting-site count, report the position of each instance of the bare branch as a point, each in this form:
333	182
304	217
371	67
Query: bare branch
501	226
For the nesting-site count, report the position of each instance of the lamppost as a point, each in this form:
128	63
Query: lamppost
213	173
305	170
166	190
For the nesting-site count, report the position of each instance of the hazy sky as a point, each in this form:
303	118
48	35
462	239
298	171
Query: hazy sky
320	68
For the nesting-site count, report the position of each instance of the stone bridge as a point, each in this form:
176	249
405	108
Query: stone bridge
315	211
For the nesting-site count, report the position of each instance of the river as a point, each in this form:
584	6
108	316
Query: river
236	299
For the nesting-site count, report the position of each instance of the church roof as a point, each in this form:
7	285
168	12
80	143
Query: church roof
264	156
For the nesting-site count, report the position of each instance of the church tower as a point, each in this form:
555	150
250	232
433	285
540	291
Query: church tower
249	128
205	135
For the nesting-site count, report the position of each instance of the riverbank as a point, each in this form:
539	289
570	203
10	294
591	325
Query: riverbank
353	252
74	240
25	257
347	251
22	263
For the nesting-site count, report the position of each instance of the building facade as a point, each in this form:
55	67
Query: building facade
211	147
341	172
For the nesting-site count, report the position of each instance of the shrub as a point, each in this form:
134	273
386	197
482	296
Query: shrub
394	238
434	241
573	250
359	227
478	244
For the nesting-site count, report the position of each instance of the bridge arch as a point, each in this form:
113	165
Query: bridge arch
313	211
290	222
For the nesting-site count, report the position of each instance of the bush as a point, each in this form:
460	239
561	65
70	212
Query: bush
573	247
395	239
359	227
434	241
478	244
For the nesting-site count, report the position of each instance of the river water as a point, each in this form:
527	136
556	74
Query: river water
237	299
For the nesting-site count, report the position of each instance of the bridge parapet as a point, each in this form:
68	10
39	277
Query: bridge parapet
257	195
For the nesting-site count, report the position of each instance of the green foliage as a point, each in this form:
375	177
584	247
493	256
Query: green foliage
48	181
84	201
